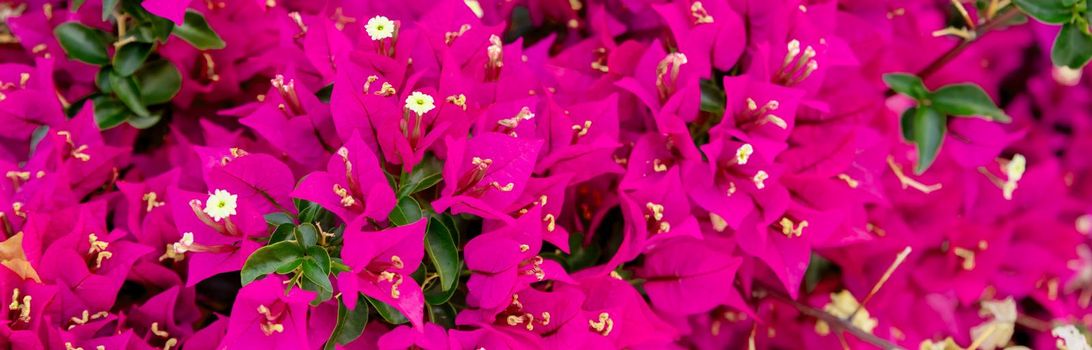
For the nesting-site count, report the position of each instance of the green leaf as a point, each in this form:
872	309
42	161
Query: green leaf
437	294
37	136
324	93
449	222
337	266
109	112
387	312
1072	47
289	267
267	259
924	127
307	235
906	84
126	89
582	256
406	212
196	31
83	43
75	5
321	257
108	7
144	122
1046	11
279	218
443	315
102	80
130	57
442	252
712	98
967	100
425	175
282	232
159	81
350	323
313	272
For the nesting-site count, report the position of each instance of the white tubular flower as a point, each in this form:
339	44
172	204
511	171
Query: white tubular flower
380	27
221	204
420	103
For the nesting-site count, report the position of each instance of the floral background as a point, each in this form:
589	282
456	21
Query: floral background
539	174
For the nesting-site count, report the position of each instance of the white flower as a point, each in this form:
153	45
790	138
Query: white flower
1070	337
221	204
183	245
380	28
420	103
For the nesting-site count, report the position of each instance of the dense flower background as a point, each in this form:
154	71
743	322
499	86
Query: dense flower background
530	174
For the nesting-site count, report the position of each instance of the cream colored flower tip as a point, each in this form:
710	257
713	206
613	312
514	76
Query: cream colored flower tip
221	204
420	103
380	27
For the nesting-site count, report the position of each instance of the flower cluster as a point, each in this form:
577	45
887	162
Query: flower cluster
519	174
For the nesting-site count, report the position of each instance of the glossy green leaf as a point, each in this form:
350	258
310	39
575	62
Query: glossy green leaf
906	84
1072	47
82	43
126	89
307	235
129	58
139	122
436	294
321	257
282	232
338	266
406	212
109	112
443	315
313	272
712	98
324	93
289	267
159	81
196	31
925	128
74	5
1047	11
425	175
350	323
108	7
267	259
442	252
387	312
967	100
279	218
102	80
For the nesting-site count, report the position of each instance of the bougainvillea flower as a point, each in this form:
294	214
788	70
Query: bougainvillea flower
486	173
433	338
263	315
353	184
381	263
167	317
173	10
683	276
506	259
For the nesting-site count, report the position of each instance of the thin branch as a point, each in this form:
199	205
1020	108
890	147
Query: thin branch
1002	17
835	321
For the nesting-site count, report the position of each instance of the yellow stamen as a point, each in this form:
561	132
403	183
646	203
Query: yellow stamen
150	197
906	181
346	199
604	325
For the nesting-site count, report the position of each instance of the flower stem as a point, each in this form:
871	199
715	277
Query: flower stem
1002	17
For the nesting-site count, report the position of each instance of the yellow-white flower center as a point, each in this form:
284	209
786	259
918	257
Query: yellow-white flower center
221	204
420	103
379	28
